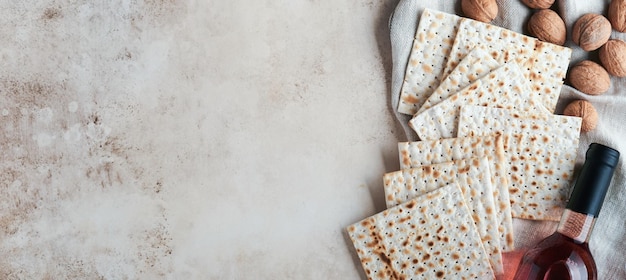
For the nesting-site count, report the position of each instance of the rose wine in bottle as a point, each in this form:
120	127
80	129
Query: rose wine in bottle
565	254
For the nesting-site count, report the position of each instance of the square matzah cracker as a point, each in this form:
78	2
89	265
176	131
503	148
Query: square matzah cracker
504	87
415	154
541	151
478	63
430	237
432	44
544	65
474	178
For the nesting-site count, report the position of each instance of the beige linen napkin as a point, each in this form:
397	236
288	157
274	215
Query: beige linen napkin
608	241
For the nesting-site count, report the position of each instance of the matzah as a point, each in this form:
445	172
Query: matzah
474	178
431	47
415	154
430	237
504	87
474	66
544	64
541	151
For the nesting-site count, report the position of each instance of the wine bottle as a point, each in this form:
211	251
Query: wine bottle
565	254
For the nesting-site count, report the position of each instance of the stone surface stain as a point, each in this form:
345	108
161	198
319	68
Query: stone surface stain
66	156
52	13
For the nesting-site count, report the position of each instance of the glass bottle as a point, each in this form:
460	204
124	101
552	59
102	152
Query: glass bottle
565	254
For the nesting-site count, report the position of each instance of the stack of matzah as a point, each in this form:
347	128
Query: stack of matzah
431	236
491	80
482	99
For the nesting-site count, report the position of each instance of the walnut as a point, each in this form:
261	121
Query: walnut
585	110
591	31
538	4
590	78
481	10
617	15
613	57
547	26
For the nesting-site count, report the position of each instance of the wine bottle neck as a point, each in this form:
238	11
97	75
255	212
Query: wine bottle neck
577	226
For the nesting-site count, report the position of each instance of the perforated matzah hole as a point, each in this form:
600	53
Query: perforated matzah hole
474	178
430	237
541	151
431	47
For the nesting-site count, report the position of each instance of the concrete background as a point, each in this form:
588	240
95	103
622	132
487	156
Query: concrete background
166	139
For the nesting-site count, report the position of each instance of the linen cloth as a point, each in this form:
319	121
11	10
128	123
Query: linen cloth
608	241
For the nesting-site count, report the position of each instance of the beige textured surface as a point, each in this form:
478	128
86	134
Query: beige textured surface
165	139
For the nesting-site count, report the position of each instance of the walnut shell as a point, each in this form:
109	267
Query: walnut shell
481	10
591	31
590	78
617	15
613	57
585	110
538	4
547	26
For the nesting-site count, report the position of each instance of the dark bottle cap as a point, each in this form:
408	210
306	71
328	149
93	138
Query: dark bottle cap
594	180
